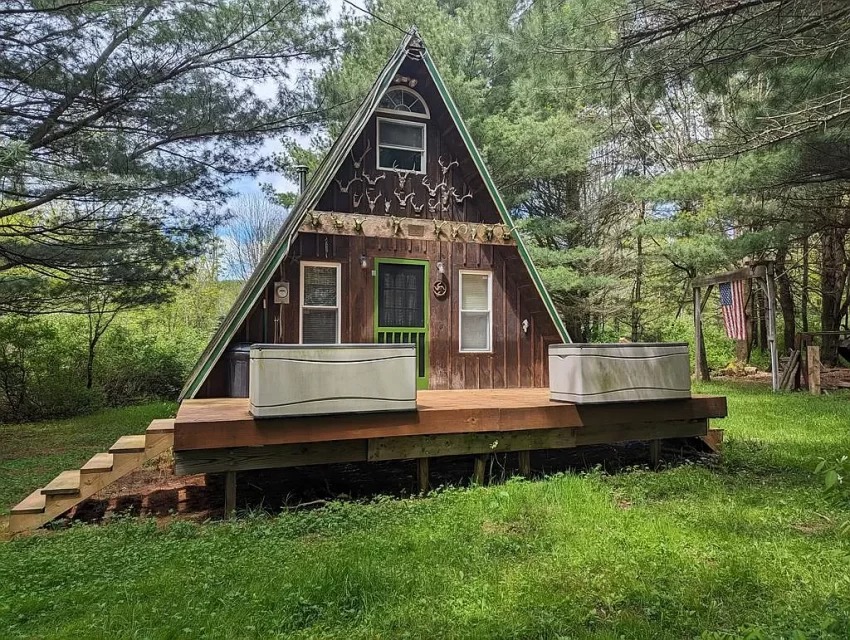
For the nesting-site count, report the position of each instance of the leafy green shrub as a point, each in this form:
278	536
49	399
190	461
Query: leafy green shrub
41	371
835	475
134	365
719	349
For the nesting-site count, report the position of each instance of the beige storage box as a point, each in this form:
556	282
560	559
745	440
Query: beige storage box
303	380
621	372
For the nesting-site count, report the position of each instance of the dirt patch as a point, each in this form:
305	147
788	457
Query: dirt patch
810	528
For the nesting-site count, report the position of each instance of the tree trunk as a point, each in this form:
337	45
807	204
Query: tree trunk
636	298
90	366
804	294
786	300
833	282
760	303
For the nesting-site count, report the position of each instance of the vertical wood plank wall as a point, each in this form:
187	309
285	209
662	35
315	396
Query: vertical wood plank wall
518	359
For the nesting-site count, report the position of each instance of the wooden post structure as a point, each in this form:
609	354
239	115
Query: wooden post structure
422	468
229	494
770	290
700	367
525	463
763	274
813	365
654	452
480	469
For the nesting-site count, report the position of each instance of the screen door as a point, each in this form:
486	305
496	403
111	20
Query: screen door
401	308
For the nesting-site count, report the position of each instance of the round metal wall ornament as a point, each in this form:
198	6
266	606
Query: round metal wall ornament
440	289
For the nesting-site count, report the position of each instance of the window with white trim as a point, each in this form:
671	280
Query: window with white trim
401	145
405	101
320	284
476	311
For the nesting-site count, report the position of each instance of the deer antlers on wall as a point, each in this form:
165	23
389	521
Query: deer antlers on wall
373	201
444	198
357	163
446	167
402	201
402	177
315	220
432	206
369	179
396	222
347	186
433	191
460	199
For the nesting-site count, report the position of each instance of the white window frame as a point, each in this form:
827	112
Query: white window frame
489	275
412	114
423	150
337	308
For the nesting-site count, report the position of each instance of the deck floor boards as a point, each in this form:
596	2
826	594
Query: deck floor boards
209	423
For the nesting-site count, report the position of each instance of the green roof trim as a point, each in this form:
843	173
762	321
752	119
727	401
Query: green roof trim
321	178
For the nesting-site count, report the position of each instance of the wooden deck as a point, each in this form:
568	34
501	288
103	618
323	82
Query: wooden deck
219	434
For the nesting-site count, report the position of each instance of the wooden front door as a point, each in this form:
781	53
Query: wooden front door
401	308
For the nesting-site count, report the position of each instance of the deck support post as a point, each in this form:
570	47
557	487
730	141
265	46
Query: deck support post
229	494
525	463
480	470
654	452
422	474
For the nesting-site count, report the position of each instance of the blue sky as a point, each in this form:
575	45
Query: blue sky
250	185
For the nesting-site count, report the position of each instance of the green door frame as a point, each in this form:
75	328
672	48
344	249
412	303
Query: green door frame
421	382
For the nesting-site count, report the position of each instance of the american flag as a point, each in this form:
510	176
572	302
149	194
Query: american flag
734	314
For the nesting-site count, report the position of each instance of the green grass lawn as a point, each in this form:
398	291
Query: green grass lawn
32	454
693	551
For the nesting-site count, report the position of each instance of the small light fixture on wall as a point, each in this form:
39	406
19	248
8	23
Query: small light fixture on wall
525	325
364	261
440	268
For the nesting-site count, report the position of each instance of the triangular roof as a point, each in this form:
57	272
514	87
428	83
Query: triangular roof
316	186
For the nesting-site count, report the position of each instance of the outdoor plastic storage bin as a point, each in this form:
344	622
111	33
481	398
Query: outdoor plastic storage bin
621	372
237	370
301	380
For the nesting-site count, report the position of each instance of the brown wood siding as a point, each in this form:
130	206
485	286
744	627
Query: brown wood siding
442	141
518	359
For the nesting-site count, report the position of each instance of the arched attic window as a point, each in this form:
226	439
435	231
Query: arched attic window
404	100
401	143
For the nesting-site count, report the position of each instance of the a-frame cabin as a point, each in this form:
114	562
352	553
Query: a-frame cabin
400	236
404	224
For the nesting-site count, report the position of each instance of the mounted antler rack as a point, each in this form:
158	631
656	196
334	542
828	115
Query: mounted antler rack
348	224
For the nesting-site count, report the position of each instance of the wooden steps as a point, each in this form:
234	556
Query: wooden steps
128	444
71	487
98	463
160	426
66	483
33	503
